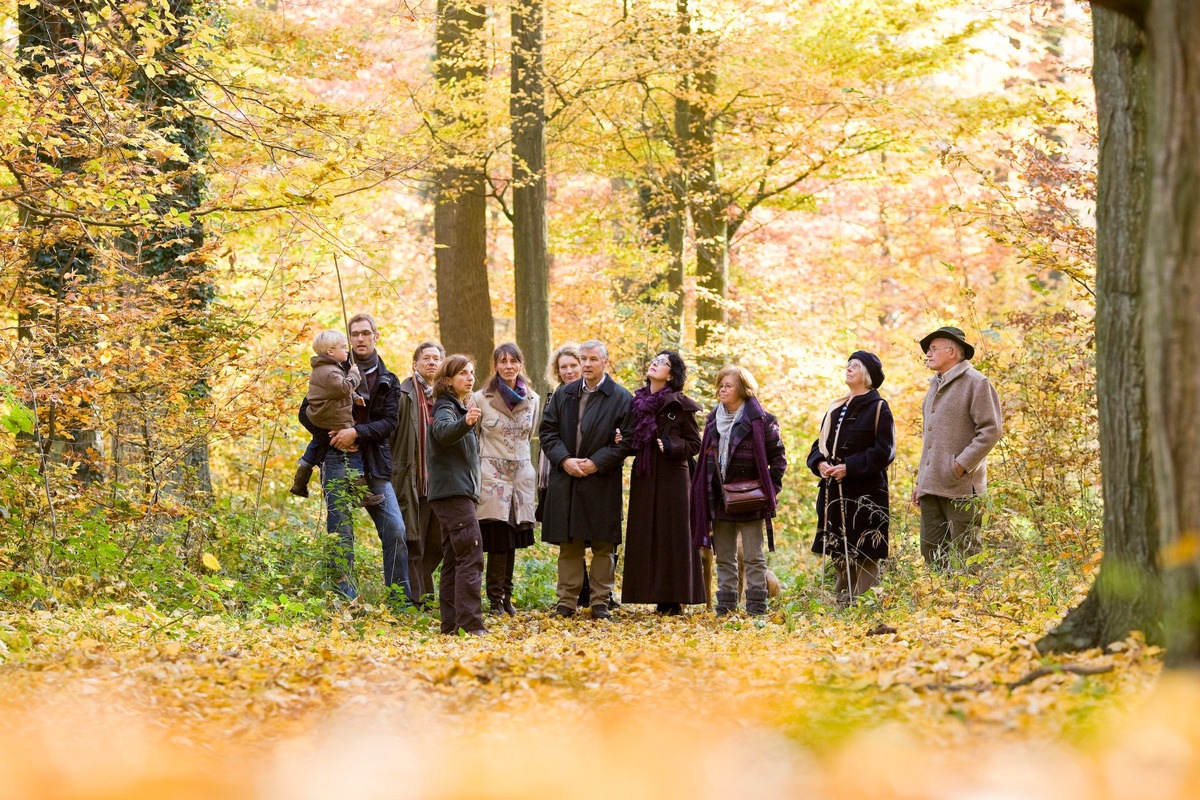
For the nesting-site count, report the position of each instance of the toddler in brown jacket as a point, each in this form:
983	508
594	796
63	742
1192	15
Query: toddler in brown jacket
331	398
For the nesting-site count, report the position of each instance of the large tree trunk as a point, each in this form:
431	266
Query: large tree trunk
531	249
695	136
1126	594
460	210
61	257
1171	320
709	216
177	255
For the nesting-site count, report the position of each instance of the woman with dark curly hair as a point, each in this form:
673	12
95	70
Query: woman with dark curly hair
661	564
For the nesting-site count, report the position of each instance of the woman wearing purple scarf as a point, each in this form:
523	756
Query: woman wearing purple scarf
661	564
509	492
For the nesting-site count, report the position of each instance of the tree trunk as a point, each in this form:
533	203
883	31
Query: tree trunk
1126	594
531	249
1171	272
709	217
696	147
176	254
460	211
61	258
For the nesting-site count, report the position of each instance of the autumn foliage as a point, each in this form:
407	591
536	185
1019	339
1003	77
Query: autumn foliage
187	191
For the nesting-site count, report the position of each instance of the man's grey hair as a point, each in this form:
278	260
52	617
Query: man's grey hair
958	348
595	344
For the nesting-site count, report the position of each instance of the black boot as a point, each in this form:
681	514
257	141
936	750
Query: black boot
726	602
494	582
756	602
510	564
300	482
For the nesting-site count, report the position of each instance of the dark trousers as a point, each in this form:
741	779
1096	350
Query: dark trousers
424	552
462	565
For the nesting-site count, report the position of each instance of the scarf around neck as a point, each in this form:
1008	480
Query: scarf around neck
646	405
426	386
511	396
725	422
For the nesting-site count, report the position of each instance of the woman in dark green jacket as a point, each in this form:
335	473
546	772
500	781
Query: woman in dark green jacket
453	463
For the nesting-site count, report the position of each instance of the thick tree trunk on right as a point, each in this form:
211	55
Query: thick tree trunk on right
1126	595
460	211
1171	319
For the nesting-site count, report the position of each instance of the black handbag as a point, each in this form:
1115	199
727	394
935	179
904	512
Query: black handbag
743	497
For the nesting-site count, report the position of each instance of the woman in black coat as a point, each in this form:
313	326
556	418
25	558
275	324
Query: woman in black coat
661	564
454	485
851	457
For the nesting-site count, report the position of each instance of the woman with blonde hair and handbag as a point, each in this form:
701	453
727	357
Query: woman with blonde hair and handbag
738	477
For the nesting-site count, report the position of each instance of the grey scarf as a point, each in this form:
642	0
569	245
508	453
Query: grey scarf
725	422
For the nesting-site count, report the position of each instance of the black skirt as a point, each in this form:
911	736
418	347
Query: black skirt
500	537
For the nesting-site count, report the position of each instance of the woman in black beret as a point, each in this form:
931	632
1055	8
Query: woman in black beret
851	457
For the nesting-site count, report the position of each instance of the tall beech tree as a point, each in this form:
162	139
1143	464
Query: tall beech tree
1163	297
62	253
531	249
174	251
1126	593
460	212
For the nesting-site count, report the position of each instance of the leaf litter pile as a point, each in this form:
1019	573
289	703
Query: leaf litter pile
120	702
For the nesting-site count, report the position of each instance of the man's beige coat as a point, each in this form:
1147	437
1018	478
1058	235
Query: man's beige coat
962	422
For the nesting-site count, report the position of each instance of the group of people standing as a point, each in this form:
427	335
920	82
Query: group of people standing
449	478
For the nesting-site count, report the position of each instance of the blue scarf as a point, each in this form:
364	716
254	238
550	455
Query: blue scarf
512	397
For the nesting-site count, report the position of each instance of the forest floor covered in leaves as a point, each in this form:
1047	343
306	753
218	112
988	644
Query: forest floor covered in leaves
953	700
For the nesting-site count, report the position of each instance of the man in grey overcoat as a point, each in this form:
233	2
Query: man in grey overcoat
410	477
579	435
962	422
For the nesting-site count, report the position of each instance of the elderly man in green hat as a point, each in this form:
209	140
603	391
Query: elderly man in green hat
961	423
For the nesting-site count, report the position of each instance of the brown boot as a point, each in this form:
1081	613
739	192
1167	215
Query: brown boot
368	500
300	482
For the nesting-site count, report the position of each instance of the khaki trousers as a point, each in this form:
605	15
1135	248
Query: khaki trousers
725	551
950	530
601	574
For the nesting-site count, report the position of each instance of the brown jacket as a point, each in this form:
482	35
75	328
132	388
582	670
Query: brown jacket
962	423
331	394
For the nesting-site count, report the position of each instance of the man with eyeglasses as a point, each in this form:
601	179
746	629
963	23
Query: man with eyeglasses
374	423
962	422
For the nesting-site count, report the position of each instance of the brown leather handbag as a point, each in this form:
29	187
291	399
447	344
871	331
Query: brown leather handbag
743	497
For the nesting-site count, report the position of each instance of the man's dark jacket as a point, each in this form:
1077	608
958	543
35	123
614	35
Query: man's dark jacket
586	509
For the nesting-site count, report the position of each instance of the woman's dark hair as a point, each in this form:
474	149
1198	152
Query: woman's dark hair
442	382
678	369
512	351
